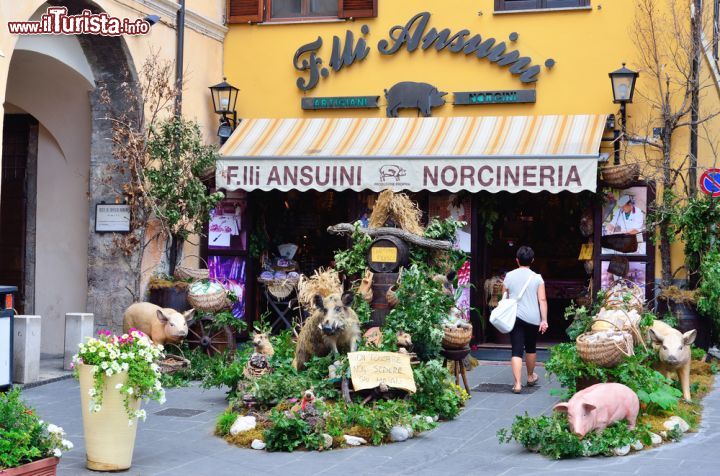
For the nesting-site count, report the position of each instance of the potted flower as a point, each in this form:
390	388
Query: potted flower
116	373
28	445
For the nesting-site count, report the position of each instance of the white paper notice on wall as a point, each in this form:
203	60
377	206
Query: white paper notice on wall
112	218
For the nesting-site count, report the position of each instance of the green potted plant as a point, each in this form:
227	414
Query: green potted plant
116	373
28	445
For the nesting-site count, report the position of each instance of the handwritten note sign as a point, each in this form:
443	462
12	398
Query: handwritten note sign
370	369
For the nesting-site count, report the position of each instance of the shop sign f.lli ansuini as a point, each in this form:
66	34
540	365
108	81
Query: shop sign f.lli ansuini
415	34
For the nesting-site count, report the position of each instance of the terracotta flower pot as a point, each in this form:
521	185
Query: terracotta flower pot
109	440
43	467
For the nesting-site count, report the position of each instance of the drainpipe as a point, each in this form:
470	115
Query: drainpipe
695	95
180	46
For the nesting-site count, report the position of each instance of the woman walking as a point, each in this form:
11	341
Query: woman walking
531	315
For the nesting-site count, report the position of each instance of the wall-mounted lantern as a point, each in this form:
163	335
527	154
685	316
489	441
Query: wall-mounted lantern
623	87
224	96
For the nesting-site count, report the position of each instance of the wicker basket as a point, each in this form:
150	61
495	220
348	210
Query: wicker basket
173	363
184	273
457	337
604	353
280	289
210	302
620	176
614	299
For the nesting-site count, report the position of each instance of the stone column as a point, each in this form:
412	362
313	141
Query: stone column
26	349
78	326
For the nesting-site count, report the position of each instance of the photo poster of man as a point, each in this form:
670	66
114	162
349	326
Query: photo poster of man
637	274
225	230
457	206
624	212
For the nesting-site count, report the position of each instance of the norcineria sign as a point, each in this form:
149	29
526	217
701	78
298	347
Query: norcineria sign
473	175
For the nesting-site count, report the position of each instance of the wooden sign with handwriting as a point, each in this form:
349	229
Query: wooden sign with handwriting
370	369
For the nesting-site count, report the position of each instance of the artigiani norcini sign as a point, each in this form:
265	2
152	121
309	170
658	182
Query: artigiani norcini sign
370	369
432	174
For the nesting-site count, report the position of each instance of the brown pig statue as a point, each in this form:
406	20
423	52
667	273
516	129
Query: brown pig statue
674	351
161	325
599	406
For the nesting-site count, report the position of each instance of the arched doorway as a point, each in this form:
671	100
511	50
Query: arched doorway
54	107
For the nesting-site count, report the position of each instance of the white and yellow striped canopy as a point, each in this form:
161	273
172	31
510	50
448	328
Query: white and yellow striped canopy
425	137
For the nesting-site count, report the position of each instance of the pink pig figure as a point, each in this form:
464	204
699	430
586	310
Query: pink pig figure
600	405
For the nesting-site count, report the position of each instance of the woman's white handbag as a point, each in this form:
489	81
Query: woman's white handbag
504	315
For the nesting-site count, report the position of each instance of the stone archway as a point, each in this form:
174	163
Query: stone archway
113	68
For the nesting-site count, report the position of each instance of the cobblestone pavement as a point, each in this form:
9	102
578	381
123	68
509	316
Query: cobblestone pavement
466	446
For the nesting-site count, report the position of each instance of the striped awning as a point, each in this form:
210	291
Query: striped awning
407	147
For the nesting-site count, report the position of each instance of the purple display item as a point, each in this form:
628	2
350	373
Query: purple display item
231	272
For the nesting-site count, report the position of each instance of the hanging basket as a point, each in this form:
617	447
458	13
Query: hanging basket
183	273
620	176
391	297
604	352
457	337
212	301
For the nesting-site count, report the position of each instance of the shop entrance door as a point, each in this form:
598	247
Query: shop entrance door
14	198
550	224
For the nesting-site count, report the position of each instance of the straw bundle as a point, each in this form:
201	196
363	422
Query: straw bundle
324	282
398	207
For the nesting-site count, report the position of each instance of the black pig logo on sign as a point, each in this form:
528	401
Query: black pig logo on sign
391	171
410	95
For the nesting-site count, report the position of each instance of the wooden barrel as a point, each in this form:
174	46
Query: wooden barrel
387	254
380	285
689	319
170	297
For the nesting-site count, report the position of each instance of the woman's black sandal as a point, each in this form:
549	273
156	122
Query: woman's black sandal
532	383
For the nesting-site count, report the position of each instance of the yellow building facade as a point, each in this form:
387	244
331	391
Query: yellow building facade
493	59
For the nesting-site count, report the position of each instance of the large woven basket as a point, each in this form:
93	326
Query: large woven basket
184	273
456	337
620	176
604	353
210	302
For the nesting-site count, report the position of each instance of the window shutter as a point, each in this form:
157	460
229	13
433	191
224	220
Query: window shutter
508	5
245	11
357	8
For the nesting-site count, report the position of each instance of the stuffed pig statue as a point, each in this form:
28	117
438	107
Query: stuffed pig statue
600	405
674	351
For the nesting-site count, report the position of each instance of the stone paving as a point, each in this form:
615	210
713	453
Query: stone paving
466	446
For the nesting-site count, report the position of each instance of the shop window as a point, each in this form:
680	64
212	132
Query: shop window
256	11
515	5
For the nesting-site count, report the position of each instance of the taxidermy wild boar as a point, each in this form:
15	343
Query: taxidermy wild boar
161	325
331	326
674	351
599	406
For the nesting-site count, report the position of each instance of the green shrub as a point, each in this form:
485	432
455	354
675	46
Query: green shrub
436	394
421	308
25	438
224	422
286	434
551	436
652	388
